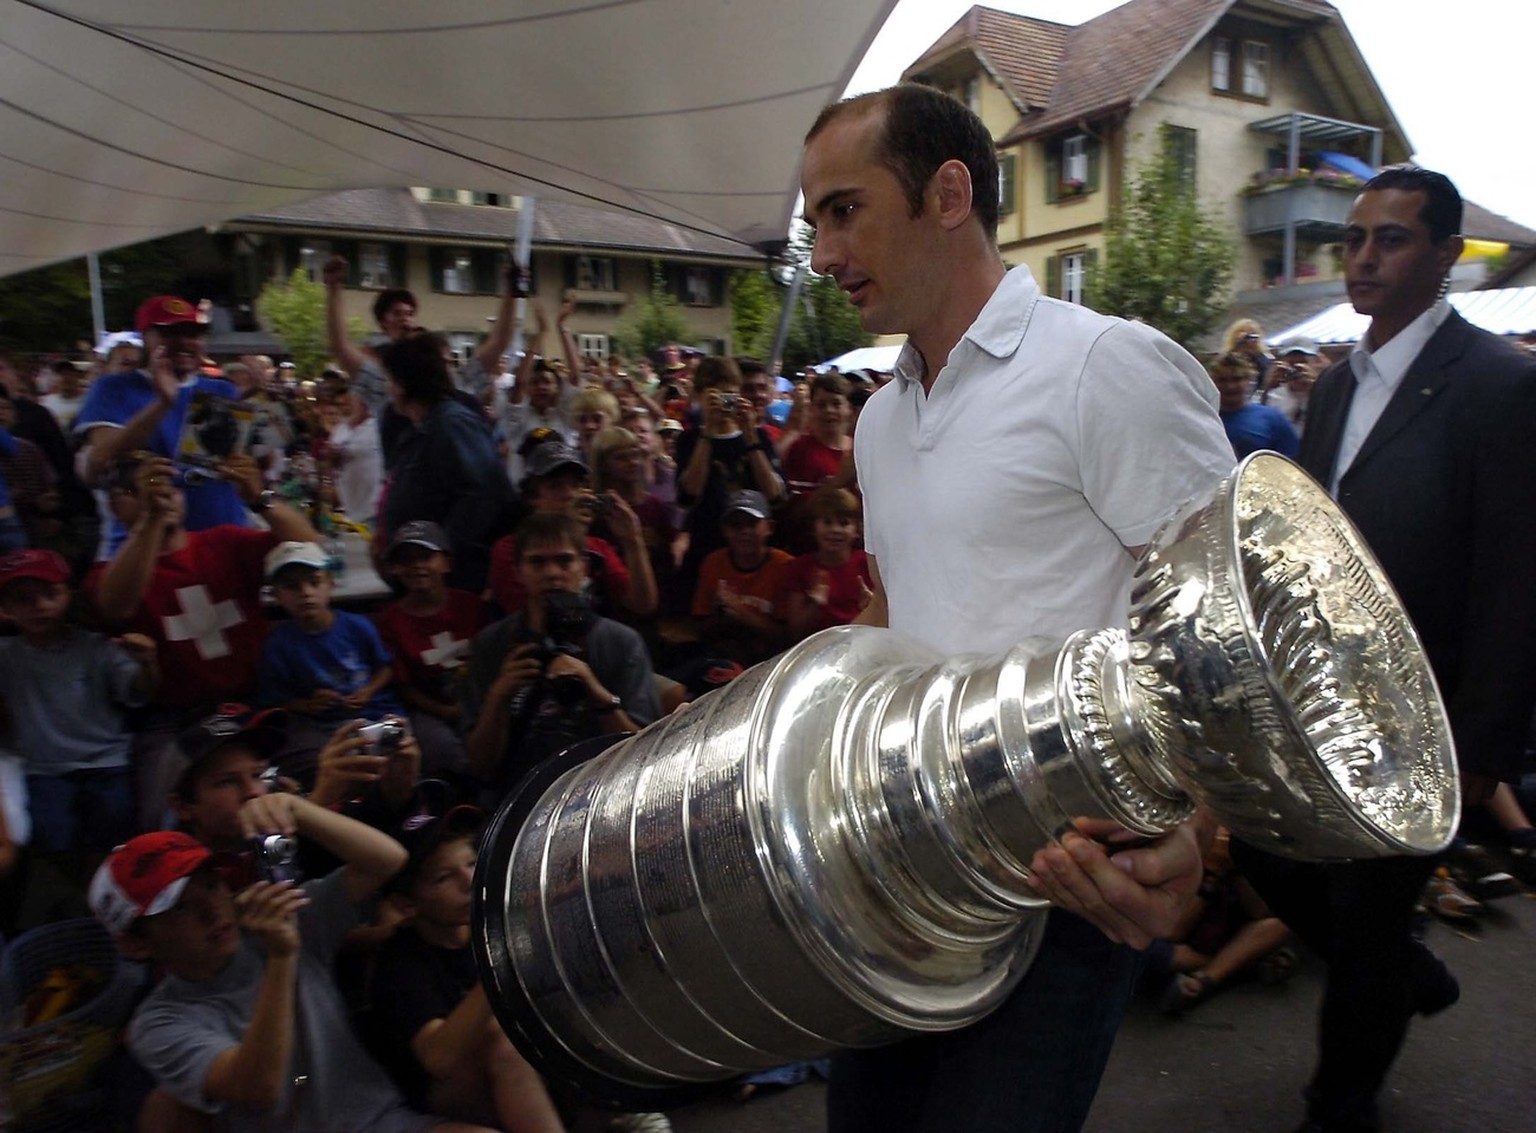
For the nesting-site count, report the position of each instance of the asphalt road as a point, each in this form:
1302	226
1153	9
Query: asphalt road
1238	1061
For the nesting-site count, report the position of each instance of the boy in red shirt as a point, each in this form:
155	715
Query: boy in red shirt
739	601
829	586
427	632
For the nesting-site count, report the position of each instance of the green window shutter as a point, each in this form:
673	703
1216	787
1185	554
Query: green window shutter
1053	276
1053	172
1007	170
435	262
398	266
484	261
1091	183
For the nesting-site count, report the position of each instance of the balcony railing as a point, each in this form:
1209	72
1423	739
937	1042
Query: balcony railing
1313	207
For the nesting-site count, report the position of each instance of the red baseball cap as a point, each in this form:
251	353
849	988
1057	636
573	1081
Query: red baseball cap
144	876
166	311
47	566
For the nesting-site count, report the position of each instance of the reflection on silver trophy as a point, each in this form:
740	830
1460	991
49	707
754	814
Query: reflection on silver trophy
831	851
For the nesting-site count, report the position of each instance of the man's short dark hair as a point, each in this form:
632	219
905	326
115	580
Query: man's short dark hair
751	366
830	383
1441	213
387	298
716	370
416	364
924	128
547	528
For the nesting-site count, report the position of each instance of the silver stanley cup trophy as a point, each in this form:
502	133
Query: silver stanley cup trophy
831	851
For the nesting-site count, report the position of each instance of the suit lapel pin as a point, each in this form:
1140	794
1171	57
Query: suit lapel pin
1426	391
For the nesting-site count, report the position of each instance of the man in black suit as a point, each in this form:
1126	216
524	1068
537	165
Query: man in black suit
1423	435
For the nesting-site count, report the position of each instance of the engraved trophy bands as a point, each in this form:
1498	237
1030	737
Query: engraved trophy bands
831	851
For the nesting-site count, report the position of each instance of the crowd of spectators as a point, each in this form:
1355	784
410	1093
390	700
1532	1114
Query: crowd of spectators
573	548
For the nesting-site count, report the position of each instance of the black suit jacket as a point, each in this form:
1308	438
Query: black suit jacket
1444	491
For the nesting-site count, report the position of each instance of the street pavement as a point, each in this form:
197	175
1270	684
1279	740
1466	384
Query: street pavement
1238	1061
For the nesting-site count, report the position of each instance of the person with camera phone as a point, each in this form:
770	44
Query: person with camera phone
248	1023
552	672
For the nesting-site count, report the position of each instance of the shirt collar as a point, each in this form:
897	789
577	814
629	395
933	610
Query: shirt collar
1391	362
998	329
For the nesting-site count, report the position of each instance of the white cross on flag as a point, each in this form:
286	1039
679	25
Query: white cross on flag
203	622
446	650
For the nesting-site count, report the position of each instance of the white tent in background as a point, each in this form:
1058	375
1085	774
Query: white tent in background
881	358
1504	310
121	120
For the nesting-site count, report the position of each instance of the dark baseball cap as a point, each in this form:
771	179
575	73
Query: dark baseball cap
753	503
265	730
549	458
420	533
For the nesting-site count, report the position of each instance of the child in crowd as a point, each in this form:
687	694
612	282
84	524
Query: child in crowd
829	586
427	632
247	1024
739	602
66	693
430	1021
323	664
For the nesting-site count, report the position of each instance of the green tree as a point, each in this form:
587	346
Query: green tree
295	310
1166	261
655	321
46	309
756	299
825	324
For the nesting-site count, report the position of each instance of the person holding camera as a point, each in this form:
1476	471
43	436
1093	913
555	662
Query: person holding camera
553	672
247	1023
1289	385
730	452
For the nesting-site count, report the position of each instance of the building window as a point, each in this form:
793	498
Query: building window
698	287
443	196
1181	141
1073	267
1255	69
494	200
1071	167
467	271
312	256
1221	63
374	266
595	273
458	272
1007	173
592	345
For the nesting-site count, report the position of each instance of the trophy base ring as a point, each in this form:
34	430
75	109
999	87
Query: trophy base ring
514	1010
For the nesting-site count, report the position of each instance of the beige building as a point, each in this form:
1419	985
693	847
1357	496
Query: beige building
1268	104
450	247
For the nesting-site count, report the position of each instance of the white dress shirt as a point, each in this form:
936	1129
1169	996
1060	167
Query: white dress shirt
1378	373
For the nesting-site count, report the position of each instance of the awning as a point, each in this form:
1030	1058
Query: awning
882	358
1505	311
121	120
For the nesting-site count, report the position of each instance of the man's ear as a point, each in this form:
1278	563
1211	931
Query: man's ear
1448	253
951	189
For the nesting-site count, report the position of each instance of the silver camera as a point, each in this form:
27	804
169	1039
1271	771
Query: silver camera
385	736
730	402
274	855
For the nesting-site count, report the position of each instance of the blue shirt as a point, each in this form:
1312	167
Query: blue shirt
296	664
1260	426
115	399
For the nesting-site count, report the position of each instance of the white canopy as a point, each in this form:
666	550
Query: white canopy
121	120
1503	310
882	358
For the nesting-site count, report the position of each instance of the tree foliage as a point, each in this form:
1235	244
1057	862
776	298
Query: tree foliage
756	299
295	310
1166	261
653	322
823	325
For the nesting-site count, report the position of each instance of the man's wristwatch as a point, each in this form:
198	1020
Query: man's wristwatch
264	501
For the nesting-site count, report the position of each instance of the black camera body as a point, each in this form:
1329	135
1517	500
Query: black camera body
568	618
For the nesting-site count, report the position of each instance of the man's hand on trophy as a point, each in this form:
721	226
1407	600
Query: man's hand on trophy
1134	895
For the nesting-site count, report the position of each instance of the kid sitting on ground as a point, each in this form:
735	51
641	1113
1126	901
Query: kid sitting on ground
829	586
427	632
66	693
324	666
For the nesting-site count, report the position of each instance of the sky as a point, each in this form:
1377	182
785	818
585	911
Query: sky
1458	84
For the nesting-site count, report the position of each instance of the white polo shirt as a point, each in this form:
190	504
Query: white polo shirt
999	506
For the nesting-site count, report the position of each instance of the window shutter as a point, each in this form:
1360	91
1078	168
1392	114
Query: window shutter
484	260
1053	172
398	266
1053	276
1091	182
435	262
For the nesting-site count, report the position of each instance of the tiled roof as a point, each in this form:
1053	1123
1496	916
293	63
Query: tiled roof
1113	61
398	212
1021	51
